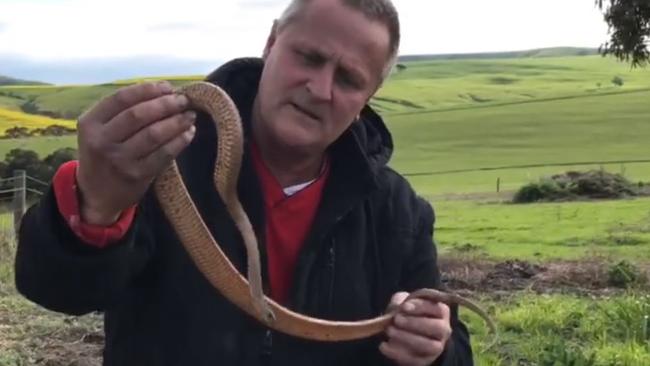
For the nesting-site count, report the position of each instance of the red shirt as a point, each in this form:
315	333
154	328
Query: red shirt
288	219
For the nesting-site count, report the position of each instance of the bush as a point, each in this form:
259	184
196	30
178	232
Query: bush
17	132
53	130
60	156
618	81
28	160
575	185
545	189
600	184
624	274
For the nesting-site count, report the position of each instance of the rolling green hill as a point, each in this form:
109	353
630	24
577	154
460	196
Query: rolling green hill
6	80
445	85
585	129
538	52
473	114
422	86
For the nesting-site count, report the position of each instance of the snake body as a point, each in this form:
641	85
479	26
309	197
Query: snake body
247	294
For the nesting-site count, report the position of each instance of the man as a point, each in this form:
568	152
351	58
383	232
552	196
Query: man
342	236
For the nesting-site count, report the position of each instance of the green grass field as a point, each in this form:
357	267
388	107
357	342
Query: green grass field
586	129
12	104
443	185
435	85
43	145
619	229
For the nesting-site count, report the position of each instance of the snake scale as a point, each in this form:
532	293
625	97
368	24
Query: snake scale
181	212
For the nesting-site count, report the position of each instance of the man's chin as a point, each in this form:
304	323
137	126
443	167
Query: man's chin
300	141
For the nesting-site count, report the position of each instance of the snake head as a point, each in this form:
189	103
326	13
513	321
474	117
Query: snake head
263	309
269	317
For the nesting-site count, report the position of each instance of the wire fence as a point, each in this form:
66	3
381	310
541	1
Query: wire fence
15	192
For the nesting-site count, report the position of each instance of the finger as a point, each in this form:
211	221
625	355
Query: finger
125	98
415	343
132	120
152	137
423	307
399	354
154	163
437	329
397	299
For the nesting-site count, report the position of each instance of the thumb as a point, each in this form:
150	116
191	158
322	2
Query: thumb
397	299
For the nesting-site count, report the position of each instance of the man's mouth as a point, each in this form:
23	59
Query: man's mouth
306	112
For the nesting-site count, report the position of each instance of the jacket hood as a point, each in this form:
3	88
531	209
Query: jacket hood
240	78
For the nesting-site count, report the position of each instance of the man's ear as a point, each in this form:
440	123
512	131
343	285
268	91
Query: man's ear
270	41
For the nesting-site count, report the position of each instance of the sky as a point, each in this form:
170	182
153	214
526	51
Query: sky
217	30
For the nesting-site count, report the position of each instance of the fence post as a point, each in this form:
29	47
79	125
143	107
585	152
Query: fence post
498	184
20	197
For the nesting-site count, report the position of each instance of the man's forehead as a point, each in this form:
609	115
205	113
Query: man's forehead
332	23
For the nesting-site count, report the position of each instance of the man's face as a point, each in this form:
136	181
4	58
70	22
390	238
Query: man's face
320	70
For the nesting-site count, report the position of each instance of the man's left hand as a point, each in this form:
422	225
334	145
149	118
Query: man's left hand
418	333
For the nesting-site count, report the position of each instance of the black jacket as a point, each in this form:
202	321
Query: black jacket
371	238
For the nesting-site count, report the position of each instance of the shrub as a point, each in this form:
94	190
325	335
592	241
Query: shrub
574	185
624	274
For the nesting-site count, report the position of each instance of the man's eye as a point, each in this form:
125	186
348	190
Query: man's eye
309	58
347	80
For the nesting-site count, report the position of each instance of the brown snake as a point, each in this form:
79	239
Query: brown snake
213	263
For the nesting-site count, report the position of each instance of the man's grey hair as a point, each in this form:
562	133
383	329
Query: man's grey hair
382	11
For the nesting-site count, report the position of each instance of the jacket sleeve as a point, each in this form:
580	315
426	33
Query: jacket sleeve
65	189
59	271
422	271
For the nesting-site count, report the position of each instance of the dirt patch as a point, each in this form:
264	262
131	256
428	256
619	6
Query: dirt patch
579	277
54	351
30	335
84	352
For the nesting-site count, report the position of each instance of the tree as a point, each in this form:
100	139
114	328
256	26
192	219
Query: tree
58	157
16	132
618	81
27	160
629	28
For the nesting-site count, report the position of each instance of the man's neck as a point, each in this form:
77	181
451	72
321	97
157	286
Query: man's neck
288	167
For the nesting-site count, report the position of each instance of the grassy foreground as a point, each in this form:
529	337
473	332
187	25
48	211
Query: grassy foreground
561	330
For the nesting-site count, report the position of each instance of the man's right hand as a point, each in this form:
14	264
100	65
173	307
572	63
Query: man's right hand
125	141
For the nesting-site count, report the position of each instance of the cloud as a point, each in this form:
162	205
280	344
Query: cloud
102	70
262	3
217	30
174	27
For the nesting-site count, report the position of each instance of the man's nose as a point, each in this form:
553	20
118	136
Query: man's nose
320	85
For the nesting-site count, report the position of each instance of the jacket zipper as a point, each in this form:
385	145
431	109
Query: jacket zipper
267	344
331	264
